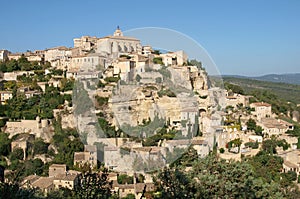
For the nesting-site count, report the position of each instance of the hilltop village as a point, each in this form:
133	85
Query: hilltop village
113	103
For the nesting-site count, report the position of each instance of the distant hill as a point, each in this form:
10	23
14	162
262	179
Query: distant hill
284	78
288	92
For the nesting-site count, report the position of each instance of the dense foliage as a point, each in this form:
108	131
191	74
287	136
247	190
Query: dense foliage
210	177
22	64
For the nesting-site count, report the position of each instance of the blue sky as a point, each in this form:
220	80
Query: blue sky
243	37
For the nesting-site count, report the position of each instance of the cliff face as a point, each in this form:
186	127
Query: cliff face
174	99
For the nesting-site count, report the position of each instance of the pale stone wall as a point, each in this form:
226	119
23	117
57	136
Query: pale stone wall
87	62
57	169
12	76
30	126
262	110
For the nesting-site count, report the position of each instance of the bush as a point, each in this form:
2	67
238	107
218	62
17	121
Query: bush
167	92
222	150
253	145
125	179
158	60
112	79
17	154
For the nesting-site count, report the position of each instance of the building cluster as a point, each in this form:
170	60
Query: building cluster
140	86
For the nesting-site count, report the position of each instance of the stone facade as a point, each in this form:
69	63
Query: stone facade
261	110
57	169
89	156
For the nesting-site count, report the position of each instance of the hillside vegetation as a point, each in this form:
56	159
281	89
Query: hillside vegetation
283	97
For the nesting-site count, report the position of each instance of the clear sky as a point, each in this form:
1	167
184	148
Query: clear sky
253	37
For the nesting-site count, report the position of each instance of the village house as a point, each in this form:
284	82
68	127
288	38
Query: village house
137	189
89	156
57	169
59	57
261	110
14	56
58	177
66	180
90	61
45	184
84	45
177	58
273	126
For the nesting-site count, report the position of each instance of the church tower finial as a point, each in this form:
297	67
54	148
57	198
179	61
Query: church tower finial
118	32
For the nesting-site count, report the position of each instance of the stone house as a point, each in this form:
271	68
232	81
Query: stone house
289	166
136	189
272	126
261	110
88	156
174	58
45	184
89	61
57	169
66	180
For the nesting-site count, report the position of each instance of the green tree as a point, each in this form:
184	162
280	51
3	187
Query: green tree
173	183
14	191
17	154
40	147
94	185
4	144
125	179
251	124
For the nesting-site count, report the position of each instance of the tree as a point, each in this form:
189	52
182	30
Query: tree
17	154
94	185
8	190
125	179
258	130
251	124
173	183
40	147
4	144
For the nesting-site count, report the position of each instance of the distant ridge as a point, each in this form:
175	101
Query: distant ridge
282	78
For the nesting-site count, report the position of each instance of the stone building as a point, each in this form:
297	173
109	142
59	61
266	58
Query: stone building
69	181
117	44
261	110
90	61
57	169
85	44
89	156
59	57
177	58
